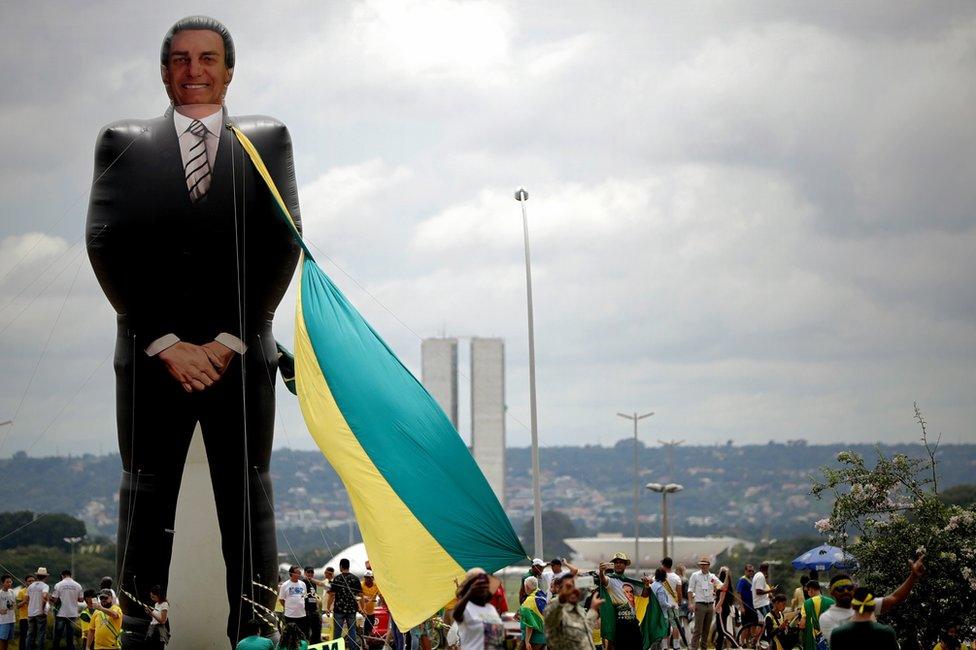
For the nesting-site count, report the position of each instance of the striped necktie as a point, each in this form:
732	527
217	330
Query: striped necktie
197	169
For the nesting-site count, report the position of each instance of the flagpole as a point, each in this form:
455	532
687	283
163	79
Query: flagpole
522	196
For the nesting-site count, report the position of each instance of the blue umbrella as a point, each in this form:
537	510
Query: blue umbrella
824	557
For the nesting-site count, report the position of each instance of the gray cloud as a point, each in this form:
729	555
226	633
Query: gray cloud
753	218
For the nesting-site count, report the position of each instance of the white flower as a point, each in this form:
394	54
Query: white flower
822	525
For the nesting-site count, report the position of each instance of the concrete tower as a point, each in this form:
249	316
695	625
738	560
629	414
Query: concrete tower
488	410
439	373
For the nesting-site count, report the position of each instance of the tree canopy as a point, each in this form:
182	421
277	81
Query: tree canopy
25	528
556	527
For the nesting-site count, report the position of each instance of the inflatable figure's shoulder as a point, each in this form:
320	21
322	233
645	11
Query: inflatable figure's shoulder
263	130
117	135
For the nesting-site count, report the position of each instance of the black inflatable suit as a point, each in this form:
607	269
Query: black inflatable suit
169	265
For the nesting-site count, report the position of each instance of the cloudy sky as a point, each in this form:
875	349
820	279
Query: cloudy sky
755	219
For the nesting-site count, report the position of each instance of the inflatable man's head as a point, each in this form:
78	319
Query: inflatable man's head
197	61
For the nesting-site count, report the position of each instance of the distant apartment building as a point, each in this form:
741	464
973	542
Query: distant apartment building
488	410
439	374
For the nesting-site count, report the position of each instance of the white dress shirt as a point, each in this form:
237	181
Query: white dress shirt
213	123
702	586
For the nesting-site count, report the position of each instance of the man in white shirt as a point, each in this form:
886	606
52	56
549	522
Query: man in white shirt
291	595
761	591
8	611
701	600
842	591
37	595
189	247
67	593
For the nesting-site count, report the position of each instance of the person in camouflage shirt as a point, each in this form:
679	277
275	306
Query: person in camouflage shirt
568	625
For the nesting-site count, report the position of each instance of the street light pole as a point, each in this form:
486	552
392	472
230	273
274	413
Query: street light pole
665	490
71	541
636	418
522	196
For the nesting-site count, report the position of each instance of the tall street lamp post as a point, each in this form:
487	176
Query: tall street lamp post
71	541
522	196
636	418
665	490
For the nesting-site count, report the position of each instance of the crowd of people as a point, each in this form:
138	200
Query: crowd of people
702	610
693	609
93	617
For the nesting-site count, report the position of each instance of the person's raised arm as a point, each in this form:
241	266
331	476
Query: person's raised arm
647	586
901	593
467	588
573	571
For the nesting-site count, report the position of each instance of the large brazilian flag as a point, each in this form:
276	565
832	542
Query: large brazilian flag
426	512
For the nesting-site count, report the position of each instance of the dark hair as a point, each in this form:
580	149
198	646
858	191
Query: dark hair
343	564
294	568
804	580
105	583
89	593
251	627
667	563
779	598
310	568
198	22
291	637
5	576
812	584
29	576
723	575
328	568
158	591
860	594
65	573
660	574
814	575
763	567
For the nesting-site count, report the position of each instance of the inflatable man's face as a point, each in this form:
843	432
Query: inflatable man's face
196	72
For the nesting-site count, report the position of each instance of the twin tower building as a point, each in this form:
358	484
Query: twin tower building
439	368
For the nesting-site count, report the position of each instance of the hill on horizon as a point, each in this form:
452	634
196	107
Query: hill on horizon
751	491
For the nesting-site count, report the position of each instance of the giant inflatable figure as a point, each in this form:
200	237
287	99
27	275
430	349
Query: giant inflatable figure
187	243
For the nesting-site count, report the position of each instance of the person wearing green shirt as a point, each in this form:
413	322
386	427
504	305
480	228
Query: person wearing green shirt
254	640
813	607
863	631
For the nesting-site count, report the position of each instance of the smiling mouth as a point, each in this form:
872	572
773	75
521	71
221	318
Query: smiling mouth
195	86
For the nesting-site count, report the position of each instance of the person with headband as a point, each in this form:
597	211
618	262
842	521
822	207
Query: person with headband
863	631
842	590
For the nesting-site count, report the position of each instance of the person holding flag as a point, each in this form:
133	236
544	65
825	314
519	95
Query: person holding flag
531	615
624	626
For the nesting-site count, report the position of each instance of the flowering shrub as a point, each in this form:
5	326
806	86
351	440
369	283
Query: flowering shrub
886	514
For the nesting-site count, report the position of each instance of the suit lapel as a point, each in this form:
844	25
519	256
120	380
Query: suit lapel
172	183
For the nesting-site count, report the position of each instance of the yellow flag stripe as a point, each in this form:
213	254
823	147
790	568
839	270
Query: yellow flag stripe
389	528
